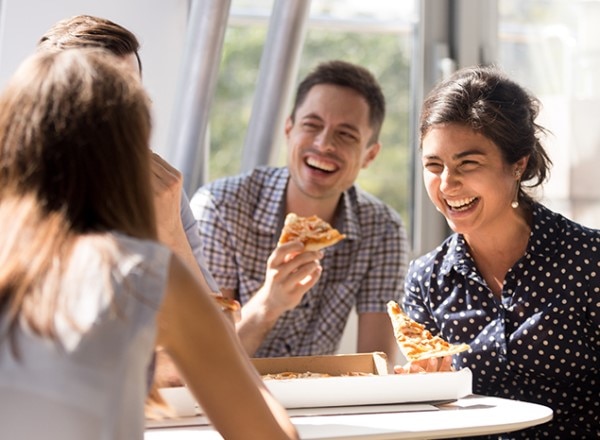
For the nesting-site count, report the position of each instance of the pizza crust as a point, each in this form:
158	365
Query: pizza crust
415	341
314	232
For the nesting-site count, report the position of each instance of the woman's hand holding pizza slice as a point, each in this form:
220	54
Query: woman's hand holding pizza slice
423	351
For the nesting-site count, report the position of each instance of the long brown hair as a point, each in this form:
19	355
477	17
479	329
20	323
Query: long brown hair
74	161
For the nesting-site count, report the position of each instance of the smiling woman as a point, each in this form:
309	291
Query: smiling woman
468	180
513	270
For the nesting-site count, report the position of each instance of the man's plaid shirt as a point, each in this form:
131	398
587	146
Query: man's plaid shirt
240	220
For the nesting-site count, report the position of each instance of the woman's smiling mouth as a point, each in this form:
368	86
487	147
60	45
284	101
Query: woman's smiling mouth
461	204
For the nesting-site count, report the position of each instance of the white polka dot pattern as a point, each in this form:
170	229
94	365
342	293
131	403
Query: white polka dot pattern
541	341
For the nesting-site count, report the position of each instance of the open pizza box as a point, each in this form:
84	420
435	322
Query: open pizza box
333	365
369	384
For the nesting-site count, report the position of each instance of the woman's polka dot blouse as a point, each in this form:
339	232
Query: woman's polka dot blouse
540	342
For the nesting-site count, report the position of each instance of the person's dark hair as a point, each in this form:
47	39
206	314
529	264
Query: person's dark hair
93	32
344	74
484	99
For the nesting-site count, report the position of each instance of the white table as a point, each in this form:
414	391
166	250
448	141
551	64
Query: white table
472	415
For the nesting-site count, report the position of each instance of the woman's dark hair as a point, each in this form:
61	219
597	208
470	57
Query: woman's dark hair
484	99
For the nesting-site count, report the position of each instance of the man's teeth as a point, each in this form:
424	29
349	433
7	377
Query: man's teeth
460	204
315	163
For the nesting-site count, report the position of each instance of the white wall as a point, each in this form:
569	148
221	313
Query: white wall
159	25
348	342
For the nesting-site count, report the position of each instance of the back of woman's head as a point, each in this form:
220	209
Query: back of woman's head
74	134
487	101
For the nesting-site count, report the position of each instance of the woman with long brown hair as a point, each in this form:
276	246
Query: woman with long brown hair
85	290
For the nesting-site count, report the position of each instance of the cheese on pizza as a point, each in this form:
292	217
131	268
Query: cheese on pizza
309	375
415	341
314	232
292	375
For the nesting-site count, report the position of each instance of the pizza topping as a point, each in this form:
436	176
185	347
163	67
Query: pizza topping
415	341
292	375
314	232
309	374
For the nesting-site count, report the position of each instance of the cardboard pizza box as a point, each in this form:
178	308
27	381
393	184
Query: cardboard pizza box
334	365
372	390
377	388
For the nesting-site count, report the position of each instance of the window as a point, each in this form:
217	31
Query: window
552	47
377	35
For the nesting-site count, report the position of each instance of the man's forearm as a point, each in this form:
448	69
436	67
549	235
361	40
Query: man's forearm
254	326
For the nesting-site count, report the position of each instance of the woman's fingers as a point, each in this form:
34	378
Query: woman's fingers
431	365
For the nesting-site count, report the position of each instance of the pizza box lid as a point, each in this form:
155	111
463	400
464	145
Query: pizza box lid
335	365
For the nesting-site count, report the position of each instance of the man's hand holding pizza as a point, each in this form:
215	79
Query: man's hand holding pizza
292	270
293	267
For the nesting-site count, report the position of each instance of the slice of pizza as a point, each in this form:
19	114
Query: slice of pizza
415	341
227	303
314	232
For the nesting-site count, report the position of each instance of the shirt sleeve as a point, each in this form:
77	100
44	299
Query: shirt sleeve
219	249
190	226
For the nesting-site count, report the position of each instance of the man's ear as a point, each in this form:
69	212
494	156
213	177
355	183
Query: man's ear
370	154
289	124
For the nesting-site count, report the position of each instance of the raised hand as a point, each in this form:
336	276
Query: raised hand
167	184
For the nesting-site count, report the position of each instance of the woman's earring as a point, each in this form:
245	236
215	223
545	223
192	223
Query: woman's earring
515	202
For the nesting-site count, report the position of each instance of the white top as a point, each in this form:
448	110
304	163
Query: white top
92	383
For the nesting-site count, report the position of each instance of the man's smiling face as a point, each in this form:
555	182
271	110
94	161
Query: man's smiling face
328	141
